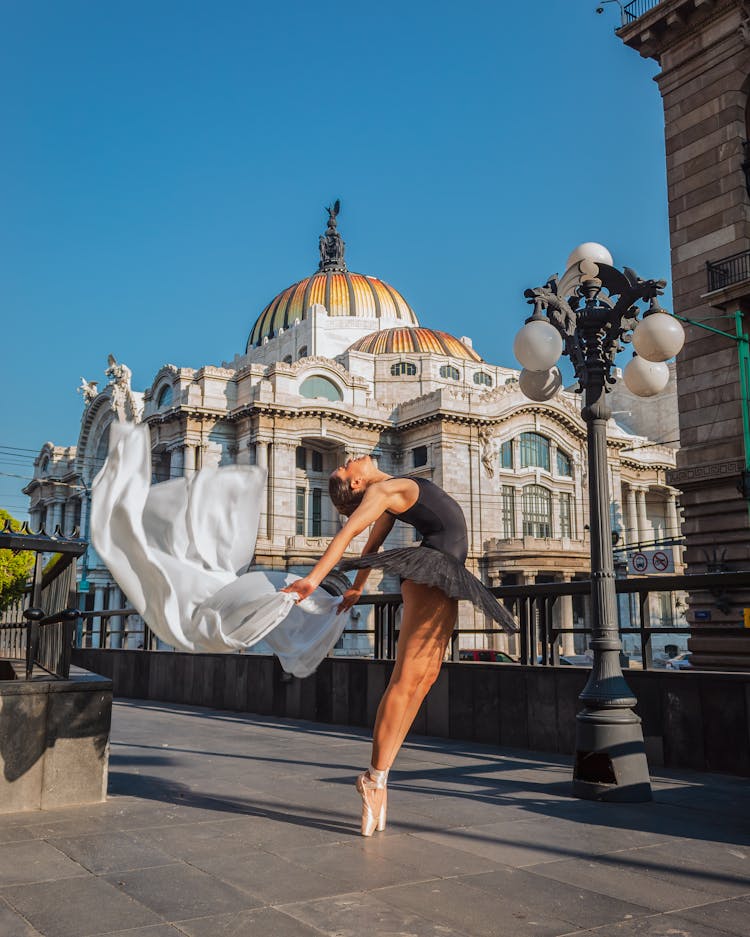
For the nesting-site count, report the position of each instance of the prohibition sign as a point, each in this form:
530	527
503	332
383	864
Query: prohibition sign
660	561
640	562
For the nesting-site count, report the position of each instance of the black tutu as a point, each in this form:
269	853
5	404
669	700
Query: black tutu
434	568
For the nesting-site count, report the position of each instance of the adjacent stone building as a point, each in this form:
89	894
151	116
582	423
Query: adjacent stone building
703	49
338	365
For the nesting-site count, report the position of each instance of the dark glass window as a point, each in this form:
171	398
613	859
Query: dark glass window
165	396
506	454
287	359
301	458
508	512
419	455
403	367
534	451
317	461
482	377
566	515
564	464
449	372
316	511
320	387
300	511
537	511
302	353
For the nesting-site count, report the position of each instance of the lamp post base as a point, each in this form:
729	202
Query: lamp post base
610	760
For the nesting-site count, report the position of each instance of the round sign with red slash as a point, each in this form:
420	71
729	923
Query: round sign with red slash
640	562
660	561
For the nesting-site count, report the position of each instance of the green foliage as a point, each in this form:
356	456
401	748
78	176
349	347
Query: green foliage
14	567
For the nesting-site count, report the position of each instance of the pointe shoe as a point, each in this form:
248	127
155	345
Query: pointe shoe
374	804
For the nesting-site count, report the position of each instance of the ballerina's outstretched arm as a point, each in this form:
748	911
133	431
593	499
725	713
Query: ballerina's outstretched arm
373	506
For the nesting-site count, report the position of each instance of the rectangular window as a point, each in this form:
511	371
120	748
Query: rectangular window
301	458
564	466
300	511
316	512
506	454
419	454
508	508
566	515
534	451
317	461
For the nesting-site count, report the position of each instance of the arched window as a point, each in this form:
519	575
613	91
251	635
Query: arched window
302	353
287	359
403	367
483	378
45	464
318	386
534	451
564	464
537	511
164	398
449	372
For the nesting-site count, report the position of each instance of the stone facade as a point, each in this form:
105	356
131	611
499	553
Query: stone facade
302	399
702	48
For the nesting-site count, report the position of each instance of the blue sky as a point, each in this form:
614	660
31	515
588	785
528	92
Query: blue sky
165	165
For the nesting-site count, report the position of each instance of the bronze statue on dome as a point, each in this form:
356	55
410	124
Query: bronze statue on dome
331	243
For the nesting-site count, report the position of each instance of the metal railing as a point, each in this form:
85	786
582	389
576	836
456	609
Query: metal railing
39	628
538	640
632	11
728	271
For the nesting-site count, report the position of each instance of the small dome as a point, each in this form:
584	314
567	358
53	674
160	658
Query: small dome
333	286
402	340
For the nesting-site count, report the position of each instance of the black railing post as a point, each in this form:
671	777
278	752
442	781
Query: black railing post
33	616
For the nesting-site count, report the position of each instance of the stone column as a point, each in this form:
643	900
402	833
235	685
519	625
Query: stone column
642	517
188	459
57	516
261	460
96	623
673	521
518	510
631	523
565	619
617	512
115	623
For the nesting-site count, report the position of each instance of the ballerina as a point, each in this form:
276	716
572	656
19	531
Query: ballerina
433	578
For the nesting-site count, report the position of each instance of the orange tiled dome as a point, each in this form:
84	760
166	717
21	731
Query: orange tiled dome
341	292
402	340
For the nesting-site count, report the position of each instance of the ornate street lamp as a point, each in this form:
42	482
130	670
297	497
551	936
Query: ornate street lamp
588	314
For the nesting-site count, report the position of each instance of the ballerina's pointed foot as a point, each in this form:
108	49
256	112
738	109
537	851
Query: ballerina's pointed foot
374	804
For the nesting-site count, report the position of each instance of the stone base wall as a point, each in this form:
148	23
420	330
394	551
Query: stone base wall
690	720
54	742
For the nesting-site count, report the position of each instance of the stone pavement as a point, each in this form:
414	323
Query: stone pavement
226	825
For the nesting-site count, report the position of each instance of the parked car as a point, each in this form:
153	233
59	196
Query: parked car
485	656
681	662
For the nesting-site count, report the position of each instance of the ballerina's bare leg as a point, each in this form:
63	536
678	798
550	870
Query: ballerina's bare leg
429	617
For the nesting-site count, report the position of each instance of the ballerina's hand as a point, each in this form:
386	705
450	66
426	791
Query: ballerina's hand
349	598
303	588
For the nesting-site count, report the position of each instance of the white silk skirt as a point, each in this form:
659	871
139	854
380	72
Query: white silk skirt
180	551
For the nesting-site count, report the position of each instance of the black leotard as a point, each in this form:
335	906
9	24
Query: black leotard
439	519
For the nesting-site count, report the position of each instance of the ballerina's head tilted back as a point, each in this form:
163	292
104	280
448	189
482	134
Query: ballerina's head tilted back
347	484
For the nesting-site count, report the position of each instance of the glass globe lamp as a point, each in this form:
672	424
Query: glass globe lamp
645	378
658	337
538	345
540	385
590	250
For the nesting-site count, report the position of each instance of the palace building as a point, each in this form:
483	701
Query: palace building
337	365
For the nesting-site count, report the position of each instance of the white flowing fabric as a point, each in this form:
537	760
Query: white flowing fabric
179	551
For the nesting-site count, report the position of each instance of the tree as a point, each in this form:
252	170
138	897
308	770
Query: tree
14	567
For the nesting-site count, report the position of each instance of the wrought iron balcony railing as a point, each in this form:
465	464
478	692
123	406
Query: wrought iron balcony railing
631	11
728	271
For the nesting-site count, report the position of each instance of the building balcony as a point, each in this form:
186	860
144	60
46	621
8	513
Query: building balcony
648	25
729	274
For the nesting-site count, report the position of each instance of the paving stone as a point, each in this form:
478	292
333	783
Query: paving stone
111	852
454	903
269	878
413	851
13	925
265	922
34	861
730	917
156	930
78	907
358	915
181	891
662	925
606	877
